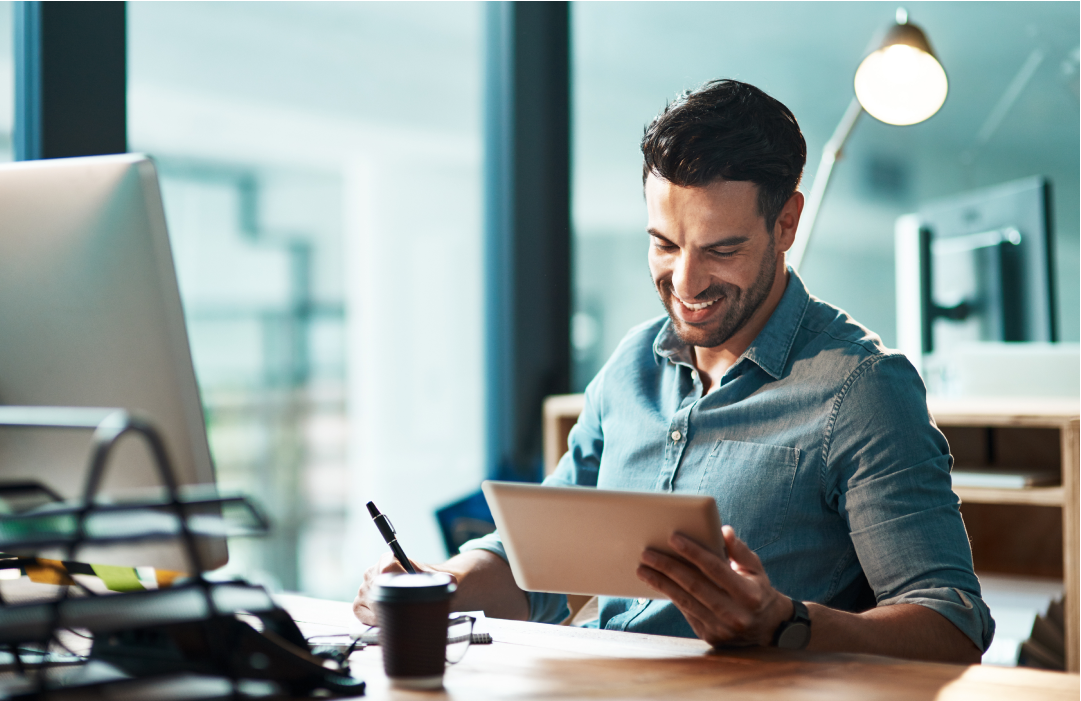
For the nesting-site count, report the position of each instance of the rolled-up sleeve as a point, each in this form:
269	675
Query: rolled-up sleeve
888	468
577	467
543	607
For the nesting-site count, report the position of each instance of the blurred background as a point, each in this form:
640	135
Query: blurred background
322	167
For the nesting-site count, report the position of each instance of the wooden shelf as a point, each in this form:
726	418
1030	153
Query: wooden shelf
1003	411
1034	496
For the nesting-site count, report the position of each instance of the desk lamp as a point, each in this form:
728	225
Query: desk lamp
899	83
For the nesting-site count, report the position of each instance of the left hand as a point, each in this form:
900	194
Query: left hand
726	601
364	603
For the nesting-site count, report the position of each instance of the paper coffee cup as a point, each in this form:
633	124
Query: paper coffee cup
412	610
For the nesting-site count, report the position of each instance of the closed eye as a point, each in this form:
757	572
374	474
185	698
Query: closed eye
662	243
728	246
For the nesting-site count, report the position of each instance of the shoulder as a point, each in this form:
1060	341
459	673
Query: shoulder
877	402
828	328
830	343
831	346
867	375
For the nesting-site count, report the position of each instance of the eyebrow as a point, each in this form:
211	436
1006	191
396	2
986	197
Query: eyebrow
728	241
720	243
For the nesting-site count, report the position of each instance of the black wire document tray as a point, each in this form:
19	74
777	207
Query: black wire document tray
116	612
57	525
190	639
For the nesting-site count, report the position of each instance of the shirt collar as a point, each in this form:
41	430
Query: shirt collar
769	350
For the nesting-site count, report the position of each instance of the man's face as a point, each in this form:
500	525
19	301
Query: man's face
712	259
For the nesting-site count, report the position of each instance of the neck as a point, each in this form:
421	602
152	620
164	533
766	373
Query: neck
713	362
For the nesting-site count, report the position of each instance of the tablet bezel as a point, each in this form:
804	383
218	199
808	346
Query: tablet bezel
581	540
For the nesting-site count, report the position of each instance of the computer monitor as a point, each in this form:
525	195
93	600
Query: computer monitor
977	267
90	315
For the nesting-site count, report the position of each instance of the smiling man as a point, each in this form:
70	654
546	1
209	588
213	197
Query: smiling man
842	530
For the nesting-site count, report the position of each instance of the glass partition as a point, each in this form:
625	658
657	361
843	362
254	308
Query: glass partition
320	167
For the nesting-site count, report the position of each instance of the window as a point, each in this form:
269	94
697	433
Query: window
321	173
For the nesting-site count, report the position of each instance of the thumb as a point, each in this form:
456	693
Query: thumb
743	558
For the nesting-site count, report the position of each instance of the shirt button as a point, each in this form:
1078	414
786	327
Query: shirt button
643	602
694	374
676	435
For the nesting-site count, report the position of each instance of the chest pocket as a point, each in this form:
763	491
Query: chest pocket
752	484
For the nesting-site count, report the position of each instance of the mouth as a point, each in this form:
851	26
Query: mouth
697	307
694	312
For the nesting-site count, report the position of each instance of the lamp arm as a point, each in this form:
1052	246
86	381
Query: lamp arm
830	153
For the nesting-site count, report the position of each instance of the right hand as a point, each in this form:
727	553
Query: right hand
364	604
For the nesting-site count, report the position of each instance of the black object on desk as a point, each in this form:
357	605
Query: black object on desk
386	529
173	640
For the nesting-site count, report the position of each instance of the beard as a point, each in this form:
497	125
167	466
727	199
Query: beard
740	305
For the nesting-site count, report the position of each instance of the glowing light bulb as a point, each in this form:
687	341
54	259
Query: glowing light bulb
900	84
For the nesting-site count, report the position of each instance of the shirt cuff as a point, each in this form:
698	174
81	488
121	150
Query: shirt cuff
544	607
964	609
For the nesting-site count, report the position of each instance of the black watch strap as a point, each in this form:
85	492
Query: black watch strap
795	633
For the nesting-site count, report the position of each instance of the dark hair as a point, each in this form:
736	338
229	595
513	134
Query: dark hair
728	130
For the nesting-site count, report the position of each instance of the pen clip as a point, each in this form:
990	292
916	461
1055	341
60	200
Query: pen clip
389	524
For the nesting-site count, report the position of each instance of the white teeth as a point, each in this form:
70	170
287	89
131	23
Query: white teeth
696	307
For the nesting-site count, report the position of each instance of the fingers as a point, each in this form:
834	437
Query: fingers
362	604
388	564
741	576
718	621
715	566
662	582
725	601
363	612
740	585
689	588
363	607
743	558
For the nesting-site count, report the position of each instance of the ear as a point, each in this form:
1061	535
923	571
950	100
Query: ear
784	231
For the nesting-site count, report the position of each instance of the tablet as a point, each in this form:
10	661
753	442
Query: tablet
580	540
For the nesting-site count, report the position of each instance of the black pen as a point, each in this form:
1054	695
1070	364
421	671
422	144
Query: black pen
387	530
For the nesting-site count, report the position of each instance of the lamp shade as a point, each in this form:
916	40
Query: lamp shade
902	82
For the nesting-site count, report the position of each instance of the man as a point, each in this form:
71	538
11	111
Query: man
813	438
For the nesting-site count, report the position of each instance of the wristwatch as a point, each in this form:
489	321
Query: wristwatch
795	633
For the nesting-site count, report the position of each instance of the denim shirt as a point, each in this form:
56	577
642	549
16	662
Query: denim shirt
818	448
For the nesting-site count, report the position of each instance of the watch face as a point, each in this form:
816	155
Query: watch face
795	636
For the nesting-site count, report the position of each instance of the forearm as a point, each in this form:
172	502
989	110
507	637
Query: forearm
901	630
485	583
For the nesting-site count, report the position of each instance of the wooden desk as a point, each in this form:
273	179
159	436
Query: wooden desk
537	661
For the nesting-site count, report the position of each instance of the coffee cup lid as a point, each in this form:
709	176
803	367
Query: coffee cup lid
411	588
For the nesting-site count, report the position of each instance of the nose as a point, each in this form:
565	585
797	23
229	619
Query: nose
689	276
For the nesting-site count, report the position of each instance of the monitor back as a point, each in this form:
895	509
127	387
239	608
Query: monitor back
993	248
90	315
